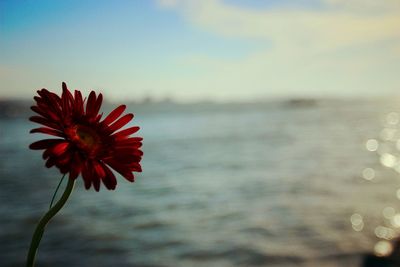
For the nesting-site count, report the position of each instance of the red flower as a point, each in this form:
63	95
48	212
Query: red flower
86	145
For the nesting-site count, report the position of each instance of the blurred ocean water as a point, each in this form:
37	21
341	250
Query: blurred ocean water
267	184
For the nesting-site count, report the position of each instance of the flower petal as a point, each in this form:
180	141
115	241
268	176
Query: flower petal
124	152
67	100
114	115
121	122
50	163
87	176
109	180
91	103
120	168
48	113
75	167
45	112
135	166
45	122
126	132
78	102
59	149
99	174
45	143
49	131
51	100
128	143
97	105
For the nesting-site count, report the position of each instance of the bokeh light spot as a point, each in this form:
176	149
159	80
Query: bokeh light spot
392	118
383	248
357	222
388	160
372	145
368	174
388	212
396	220
384	232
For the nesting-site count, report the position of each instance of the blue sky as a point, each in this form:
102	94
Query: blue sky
204	49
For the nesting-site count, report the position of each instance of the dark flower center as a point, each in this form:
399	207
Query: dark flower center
85	138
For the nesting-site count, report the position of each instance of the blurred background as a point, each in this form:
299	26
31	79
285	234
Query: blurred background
271	131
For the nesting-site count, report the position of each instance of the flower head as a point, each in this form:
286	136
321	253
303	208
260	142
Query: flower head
85	144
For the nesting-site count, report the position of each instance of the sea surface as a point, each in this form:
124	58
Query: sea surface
261	184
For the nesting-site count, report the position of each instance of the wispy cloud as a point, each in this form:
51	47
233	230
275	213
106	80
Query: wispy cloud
336	23
335	44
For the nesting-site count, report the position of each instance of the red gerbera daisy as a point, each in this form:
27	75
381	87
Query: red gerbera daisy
86	145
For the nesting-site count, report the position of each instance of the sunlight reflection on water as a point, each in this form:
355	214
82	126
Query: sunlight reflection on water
387	149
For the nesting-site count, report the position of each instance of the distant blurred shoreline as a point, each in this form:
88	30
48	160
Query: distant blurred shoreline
16	108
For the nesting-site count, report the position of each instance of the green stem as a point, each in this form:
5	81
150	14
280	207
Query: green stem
55	192
37	235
